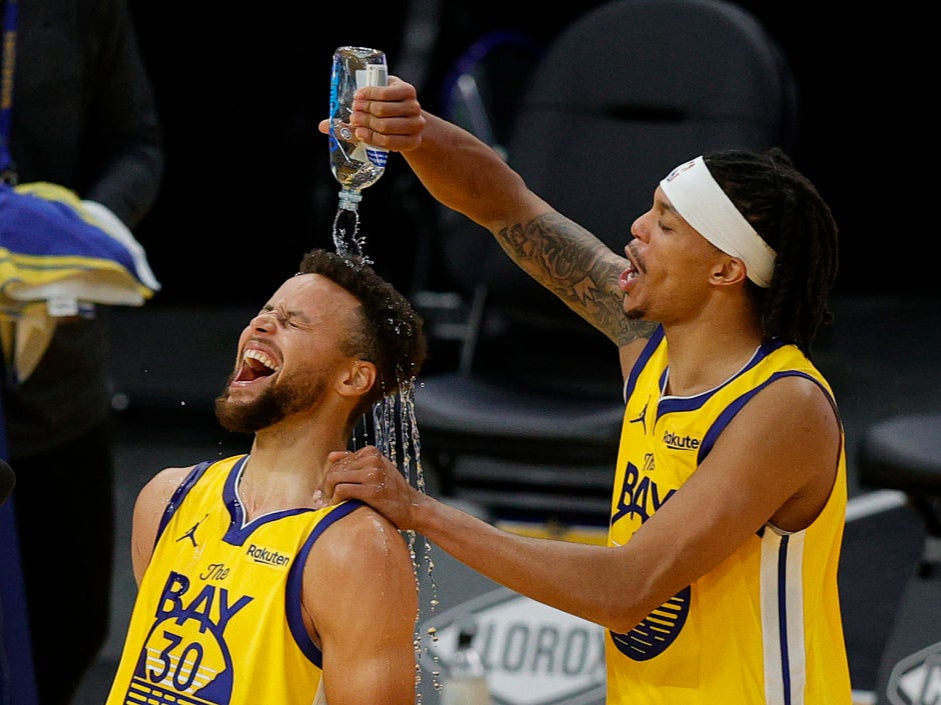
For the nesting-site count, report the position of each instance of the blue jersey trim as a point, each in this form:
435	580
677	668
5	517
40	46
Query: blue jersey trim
179	495
782	620
294	589
723	420
641	363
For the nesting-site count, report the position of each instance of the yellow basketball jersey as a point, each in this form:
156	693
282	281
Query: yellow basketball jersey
217	619
764	626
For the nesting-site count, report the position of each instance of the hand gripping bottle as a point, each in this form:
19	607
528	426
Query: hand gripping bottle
355	164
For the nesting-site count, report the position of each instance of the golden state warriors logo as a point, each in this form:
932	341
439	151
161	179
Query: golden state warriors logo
640	497
657	630
185	659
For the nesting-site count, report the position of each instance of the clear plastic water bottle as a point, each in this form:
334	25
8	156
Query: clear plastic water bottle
355	165
466	682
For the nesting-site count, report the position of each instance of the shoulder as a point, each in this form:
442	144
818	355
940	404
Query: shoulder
154	496
151	504
361	554
793	422
798	439
790	405
363	534
784	416
160	488
799	394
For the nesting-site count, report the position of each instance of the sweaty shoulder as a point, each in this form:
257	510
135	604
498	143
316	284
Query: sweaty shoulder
364	555
363	534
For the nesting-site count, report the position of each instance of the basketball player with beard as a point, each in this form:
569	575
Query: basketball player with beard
251	591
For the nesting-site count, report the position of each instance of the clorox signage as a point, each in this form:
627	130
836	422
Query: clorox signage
534	654
916	679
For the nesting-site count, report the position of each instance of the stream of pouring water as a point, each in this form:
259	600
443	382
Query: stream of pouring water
346	236
395	433
356	166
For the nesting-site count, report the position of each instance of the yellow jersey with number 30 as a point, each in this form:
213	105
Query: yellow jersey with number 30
217	620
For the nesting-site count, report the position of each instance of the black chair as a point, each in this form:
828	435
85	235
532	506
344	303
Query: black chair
903	452
527	424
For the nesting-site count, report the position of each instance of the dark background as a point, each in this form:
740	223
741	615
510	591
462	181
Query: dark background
248	189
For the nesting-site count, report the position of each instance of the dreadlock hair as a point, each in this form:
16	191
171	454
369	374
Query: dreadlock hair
786	210
391	334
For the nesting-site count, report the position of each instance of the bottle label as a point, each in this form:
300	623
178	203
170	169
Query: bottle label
374	75
355	164
377	156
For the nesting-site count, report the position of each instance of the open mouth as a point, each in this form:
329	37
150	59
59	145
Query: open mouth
255	365
629	274
633	268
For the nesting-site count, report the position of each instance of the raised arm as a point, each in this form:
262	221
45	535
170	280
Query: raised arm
470	177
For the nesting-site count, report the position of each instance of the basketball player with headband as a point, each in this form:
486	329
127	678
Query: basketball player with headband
719	579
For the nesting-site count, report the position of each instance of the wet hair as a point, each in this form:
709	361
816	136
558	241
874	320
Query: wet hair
391	334
789	214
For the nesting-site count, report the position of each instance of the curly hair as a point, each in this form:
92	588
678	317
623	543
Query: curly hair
790	215
392	333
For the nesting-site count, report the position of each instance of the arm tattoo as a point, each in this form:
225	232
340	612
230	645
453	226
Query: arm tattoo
578	268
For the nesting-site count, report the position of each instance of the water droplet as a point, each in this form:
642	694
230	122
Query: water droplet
120	401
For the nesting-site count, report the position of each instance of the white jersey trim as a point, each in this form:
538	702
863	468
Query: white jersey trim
782	617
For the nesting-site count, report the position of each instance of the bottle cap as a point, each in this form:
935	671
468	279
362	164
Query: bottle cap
349	200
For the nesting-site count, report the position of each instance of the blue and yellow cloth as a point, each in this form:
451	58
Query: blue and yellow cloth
59	254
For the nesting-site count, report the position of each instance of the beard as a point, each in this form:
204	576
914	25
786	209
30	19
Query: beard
276	403
635	314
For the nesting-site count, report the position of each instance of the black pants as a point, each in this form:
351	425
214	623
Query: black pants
65	519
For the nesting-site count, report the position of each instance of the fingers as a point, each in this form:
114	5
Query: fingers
369	476
395	91
388	116
373	107
394	134
392	142
353	475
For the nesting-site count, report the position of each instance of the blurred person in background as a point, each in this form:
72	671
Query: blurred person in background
78	115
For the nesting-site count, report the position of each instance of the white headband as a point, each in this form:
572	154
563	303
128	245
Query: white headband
705	206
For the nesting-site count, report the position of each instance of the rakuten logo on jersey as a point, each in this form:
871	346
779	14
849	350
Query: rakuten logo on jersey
534	654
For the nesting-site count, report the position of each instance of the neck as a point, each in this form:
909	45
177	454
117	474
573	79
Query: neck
287	464
703	357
